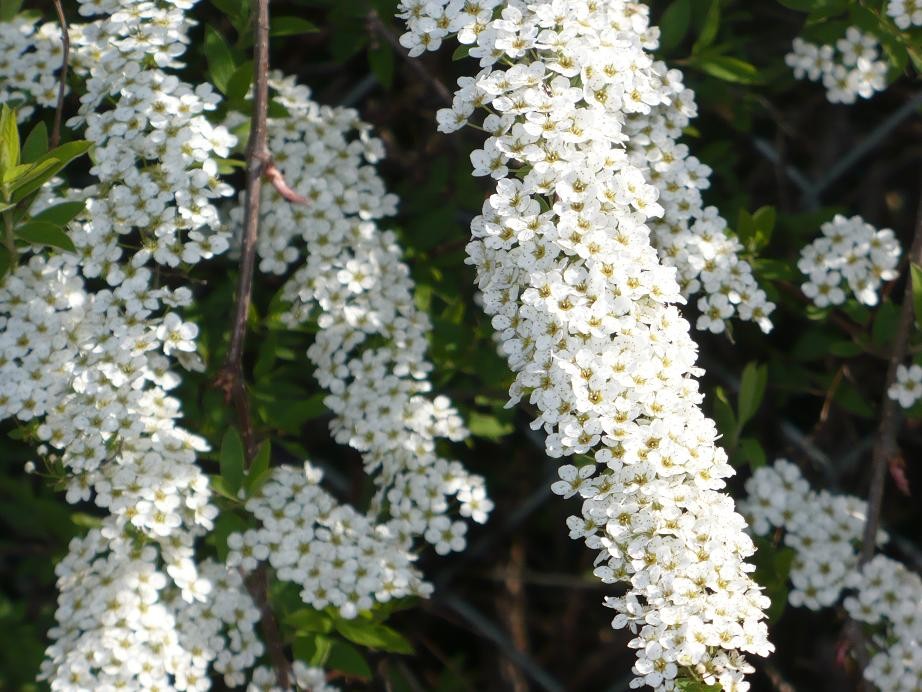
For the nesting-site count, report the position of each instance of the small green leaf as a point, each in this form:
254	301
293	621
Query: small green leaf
674	24
313	649
36	144
917	291
488	426
221	64
885	324
58	158
60	214
346	659
226	524
709	29
291	26
764	220
309	620
239	83
460	52
373	635
750	450
9	140
45	233
259	469
752	389
725	418
9	9
232	461
727	68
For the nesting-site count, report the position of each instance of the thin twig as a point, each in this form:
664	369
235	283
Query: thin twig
55	138
231	379
382	30
886	450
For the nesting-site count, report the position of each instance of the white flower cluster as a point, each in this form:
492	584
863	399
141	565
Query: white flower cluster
89	371
849	69
29	61
338	556
540	110
123	626
849	251
583	308
905	13
908	386
306	678
369	351
825	532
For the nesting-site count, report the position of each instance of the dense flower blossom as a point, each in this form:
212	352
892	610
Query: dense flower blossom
849	69
337	555
908	386
89	371
370	349
583	308
850	252
123	625
825	531
31	55
905	13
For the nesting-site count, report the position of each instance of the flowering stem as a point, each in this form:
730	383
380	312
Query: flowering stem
230	379
55	138
886	449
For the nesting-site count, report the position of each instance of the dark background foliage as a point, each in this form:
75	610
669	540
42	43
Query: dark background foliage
520	608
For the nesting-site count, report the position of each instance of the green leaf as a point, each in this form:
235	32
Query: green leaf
291	26
488	426
346	659
221	64
916	271
45	233
885	324
60	214
727	68
239	83
725	418
752	389
9	9
313	649
226	524
373	635
381	62
750	450
692	685
709	29
9	140
309	620
232	461
462	51
674	25
764	220
259	469
36	144
59	158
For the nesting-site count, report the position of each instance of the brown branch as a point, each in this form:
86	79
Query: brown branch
380	29
886	450
231	379
55	138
